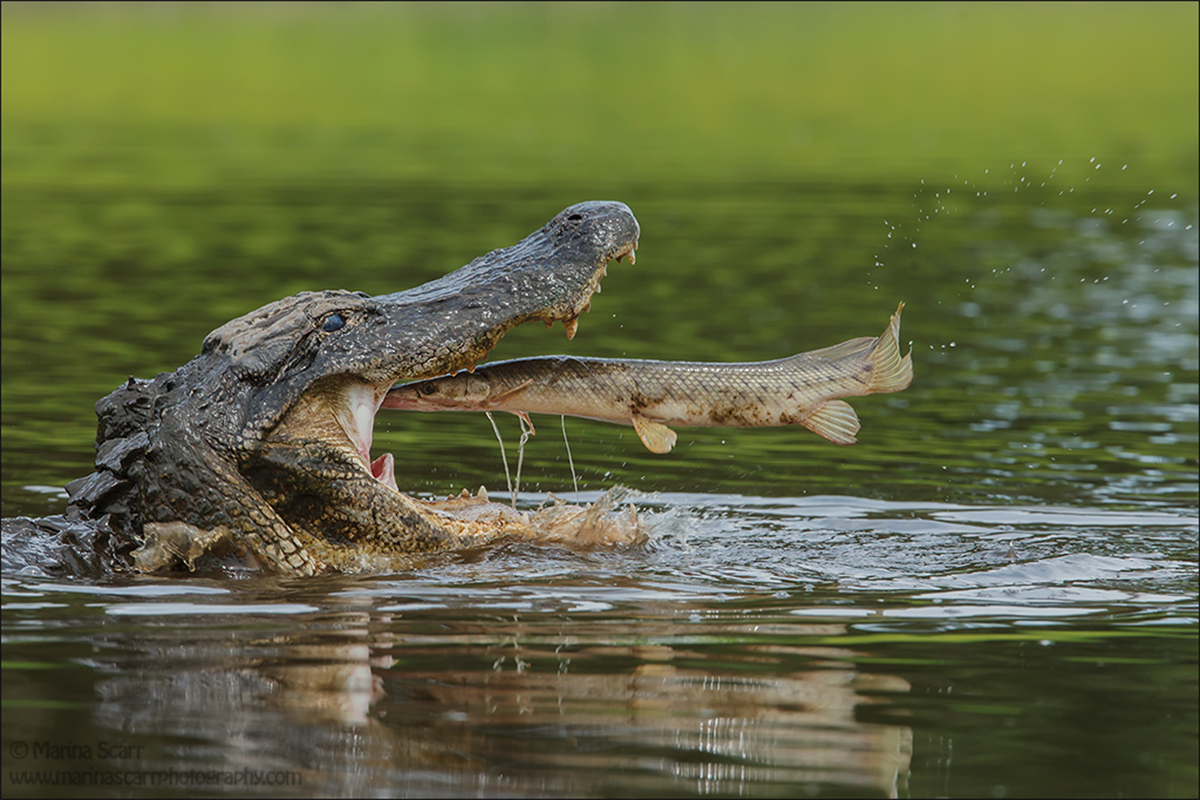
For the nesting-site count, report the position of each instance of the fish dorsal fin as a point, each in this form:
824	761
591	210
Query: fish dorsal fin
835	420
657	437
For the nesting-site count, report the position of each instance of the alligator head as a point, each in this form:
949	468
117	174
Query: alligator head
262	442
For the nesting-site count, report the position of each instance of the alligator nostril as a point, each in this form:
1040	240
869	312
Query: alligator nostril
575	217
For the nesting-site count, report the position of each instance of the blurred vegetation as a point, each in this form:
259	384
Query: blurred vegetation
522	93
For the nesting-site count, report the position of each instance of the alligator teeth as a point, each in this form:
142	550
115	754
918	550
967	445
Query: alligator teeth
571	325
588	305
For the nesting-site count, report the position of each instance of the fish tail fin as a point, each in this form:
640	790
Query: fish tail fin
890	372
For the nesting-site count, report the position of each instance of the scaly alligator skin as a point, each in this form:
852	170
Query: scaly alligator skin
259	447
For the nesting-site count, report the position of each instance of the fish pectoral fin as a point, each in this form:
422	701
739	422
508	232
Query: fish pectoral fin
525	418
835	420
502	397
657	437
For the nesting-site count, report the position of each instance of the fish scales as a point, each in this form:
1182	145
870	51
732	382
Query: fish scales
802	389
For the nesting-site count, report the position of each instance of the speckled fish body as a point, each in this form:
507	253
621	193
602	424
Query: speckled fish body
803	389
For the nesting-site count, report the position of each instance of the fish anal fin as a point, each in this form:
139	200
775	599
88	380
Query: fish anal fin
657	437
835	420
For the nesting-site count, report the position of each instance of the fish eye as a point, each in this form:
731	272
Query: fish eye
428	389
332	323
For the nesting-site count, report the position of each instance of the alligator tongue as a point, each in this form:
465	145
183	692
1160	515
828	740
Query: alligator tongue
384	470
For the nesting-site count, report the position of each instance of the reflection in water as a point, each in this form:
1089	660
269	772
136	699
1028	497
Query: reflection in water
368	702
672	717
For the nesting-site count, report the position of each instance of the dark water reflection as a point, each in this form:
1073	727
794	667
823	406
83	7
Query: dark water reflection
994	592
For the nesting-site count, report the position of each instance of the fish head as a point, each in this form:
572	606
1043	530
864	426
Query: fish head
464	391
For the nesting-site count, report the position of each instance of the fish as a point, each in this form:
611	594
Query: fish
803	389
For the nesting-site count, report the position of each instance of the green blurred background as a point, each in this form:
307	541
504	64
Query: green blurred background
589	92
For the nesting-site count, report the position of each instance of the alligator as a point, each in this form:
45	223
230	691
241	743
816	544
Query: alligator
257	451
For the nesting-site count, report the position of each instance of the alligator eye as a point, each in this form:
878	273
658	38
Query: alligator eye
428	389
332	323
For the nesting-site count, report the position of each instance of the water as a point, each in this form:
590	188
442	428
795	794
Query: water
994	593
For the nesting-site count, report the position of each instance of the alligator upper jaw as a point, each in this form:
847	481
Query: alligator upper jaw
452	322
